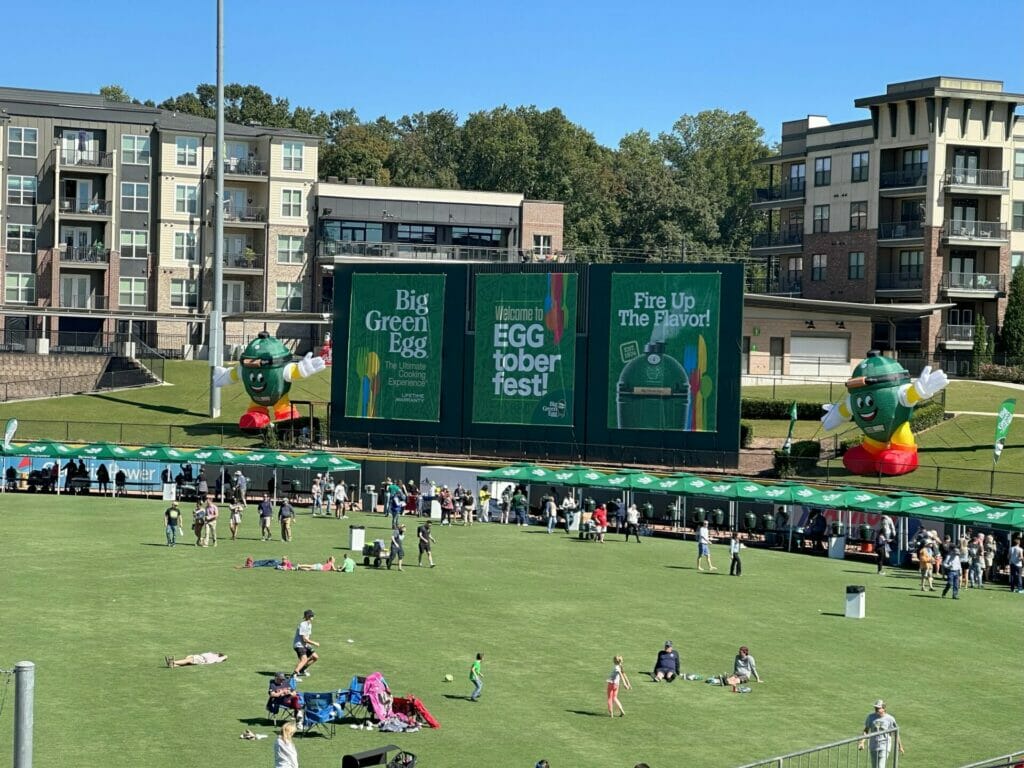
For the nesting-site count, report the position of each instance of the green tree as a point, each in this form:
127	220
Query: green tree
116	93
981	349
358	149
648	197
498	152
426	150
1011	338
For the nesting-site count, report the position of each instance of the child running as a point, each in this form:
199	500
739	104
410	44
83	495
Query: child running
617	676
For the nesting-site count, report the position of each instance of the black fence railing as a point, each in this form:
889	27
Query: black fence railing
915	175
71	385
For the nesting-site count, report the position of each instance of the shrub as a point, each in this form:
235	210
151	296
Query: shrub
927	415
1011	373
746	434
777	409
802	459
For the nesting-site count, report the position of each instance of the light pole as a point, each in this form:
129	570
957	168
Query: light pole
216	334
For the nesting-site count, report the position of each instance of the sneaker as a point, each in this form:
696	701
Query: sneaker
169	661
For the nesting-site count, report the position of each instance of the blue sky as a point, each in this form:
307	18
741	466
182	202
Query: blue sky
613	68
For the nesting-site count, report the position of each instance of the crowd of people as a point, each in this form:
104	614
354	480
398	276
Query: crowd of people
972	560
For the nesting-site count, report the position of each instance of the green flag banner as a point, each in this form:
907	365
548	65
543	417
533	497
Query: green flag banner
663	351
394	347
1003	421
525	349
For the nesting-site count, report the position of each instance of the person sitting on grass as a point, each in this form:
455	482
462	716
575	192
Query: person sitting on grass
744	668
328	565
348	565
666	667
195	659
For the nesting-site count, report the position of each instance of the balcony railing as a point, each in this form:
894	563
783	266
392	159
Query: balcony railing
248	213
910	176
248	305
956	333
777	239
900	230
971	281
87	158
976	177
787	190
77	301
243	261
975	230
72	206
899	281
86	255
240	166
328	249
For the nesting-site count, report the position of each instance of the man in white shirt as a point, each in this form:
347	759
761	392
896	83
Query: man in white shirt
880	745
304	645
704	547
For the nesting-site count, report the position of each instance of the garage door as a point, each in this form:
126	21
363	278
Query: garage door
819	356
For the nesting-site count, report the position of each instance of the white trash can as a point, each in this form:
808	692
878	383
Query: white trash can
435	510
855	602
356	537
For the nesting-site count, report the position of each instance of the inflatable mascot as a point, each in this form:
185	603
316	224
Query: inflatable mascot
266	371
880	399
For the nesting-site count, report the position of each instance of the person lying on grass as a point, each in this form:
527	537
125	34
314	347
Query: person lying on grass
195	659
327	565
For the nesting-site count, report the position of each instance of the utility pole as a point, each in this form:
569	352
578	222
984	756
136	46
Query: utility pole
24	693
216	335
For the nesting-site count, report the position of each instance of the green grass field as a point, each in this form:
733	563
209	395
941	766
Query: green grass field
95	599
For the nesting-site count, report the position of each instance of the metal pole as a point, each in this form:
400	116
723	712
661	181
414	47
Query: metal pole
216	334
24	692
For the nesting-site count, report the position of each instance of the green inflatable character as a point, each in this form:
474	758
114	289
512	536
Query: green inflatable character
267	372
880	399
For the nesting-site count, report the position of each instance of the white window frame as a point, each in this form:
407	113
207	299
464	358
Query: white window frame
291	203
185	247
134	148
291	249
26	232
286	294
135	186
819	267
186	198
541	245
136	288
20	196
186	151
23	285
136	238
22	142
292	156
183	291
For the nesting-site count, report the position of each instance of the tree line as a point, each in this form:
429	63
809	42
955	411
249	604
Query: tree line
685	190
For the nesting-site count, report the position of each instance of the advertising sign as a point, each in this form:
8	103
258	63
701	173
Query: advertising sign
525	349
394	347
663	351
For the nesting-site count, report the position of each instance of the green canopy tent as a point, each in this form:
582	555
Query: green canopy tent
160	453
48	449
322	461
577	476
522	472
953	509
217	456
271	459
1008	517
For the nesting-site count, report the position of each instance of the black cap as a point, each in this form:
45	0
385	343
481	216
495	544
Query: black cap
308	614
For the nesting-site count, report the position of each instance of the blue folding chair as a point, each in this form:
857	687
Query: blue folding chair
354	705
321	711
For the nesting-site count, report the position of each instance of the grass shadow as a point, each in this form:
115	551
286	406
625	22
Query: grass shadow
456	696
264	721
586	713
832	613
171	409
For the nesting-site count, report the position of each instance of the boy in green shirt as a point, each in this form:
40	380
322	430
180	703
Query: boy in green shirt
476	678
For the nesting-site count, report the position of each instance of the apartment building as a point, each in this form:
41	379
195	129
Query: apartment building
920	204
108	223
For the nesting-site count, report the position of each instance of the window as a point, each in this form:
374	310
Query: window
1018	164
794	267
292	156
856	265
20	288
479	237
184	294
1016	259
797	178
186	151
22	142
134	196
184	246
134	244
859	168
135	150
131	291
822	171
289	297
915	159
821	218
417	233
21	238
21	190
290	249
910	263
1018	215
542	245
186	198
859	215
291	202
819	262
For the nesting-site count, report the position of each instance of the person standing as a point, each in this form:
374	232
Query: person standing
266	510
880	742
976	555
172	520
210	531
550	511
735	566
484	507
241	486
102	479
569	511
633	522
704	546
285	754
304	645
506	505
953	572
476	677
285	515
199	523
236	508
397	550
617	512
521	507
881	550
616	677
600	520
468	504
340	500
1015	557
926	562
317	494
425	541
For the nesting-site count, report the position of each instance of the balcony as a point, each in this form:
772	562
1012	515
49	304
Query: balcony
992	233
244	262
247	168
910	176
970	284
86	256
248	305
73	207
975	178
246	215
957	336
900	230
899	281
794	189
87	159
790	240
330	249
78	301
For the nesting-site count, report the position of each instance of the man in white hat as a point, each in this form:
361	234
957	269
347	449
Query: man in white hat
241	486
876	730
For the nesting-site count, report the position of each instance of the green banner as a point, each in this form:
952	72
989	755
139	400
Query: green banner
394	347
525	349
663	351
1003	421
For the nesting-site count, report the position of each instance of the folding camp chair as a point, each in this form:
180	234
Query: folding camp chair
278	710
321	711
